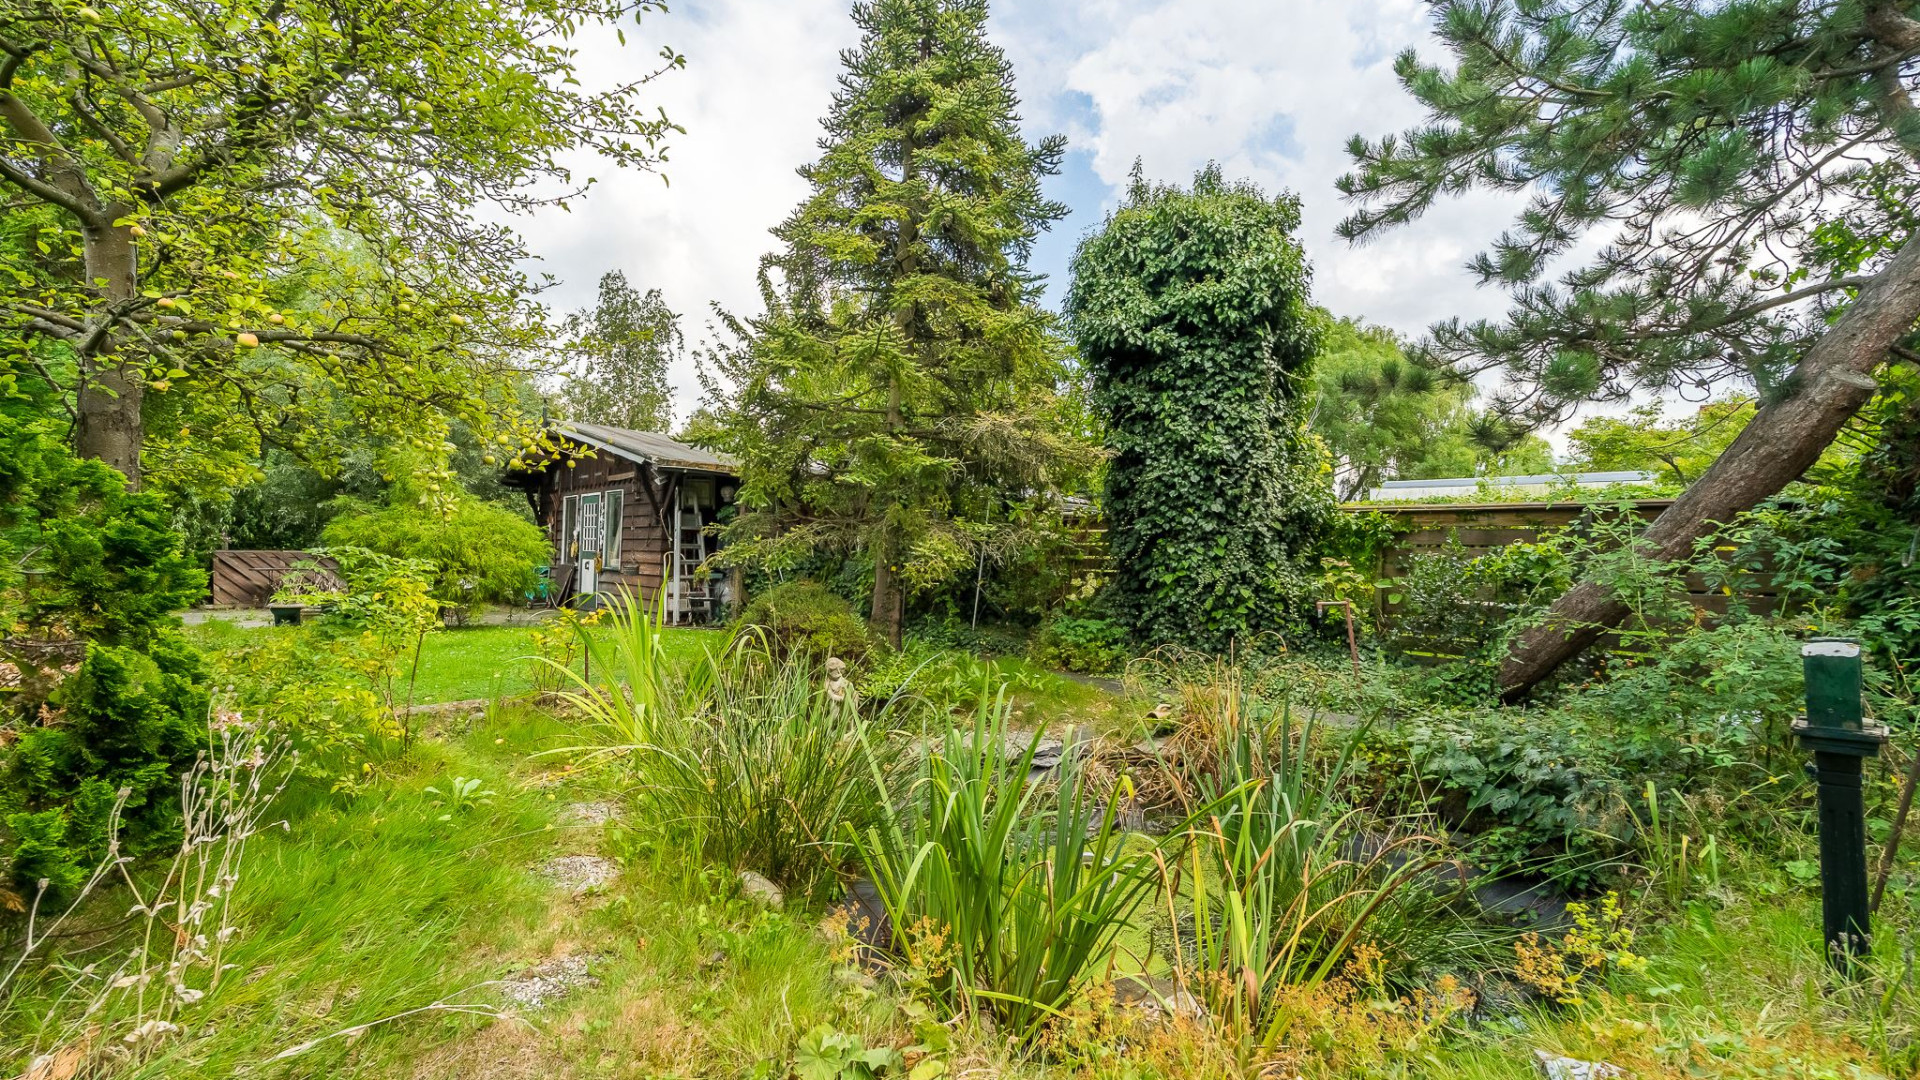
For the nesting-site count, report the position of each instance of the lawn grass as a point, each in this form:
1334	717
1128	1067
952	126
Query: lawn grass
370	905
462	663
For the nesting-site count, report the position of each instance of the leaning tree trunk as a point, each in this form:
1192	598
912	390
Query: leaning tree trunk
1831	383
108	402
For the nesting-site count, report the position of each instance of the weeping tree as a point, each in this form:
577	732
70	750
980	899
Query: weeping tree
900	399
623	349
1711	148
1191	311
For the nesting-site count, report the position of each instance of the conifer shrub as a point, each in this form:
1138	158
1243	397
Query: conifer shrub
805	618
99	692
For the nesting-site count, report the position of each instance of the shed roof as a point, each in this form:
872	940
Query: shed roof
646	446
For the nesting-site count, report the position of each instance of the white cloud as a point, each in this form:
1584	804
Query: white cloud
1272	91
759	77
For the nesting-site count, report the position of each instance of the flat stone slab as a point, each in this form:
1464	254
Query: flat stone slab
544	983
580	873
588	813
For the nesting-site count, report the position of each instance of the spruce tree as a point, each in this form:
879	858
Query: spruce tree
1191	312
899	395
1710	148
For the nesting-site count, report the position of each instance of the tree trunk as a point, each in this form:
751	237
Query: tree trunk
1831	383
108	401
889	604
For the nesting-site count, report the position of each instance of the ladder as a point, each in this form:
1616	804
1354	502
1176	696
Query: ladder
692	593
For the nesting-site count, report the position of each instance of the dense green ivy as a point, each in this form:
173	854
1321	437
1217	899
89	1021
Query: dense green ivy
1191	313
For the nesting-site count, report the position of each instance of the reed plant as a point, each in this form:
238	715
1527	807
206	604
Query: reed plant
1284	884
1006	888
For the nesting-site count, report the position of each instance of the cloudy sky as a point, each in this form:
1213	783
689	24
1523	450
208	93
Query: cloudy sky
1271	90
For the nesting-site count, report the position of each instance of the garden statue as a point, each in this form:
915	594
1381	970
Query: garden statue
841	696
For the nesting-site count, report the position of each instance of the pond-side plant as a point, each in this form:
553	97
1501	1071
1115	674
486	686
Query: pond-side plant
1283	880
1007	890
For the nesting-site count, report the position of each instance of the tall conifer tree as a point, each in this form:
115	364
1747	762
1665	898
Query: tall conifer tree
900	391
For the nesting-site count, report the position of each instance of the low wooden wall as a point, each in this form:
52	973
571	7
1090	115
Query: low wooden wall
1483	528
248	579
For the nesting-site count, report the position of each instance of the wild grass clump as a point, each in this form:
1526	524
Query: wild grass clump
1288	891
120	1009
739	756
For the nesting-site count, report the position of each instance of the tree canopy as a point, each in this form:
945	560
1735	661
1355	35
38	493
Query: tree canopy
1386	416
622	350
1192	315
266	217
1707	143
902	390
1644	438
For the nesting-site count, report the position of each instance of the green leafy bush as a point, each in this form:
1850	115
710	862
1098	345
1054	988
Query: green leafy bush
102	694
338	684
1076	643
946	678
805	618
480	553
1529	791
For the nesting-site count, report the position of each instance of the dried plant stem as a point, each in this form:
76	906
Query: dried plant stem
437	1006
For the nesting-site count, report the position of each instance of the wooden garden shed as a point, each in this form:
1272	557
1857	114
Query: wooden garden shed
628	511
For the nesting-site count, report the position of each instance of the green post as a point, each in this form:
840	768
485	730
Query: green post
1834	729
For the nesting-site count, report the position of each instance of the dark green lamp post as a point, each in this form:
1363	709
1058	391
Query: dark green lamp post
1835	730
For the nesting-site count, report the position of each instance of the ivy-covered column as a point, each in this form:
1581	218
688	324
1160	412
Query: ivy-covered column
1191	313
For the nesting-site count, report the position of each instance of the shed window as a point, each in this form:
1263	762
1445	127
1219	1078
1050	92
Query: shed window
569	515
611	507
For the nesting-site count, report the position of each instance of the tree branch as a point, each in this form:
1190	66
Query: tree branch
79	200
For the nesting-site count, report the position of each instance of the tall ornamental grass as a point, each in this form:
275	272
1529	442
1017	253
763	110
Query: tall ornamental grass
737	755
1283	880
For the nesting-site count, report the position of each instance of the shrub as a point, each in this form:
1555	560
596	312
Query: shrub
1191	313
1534	791
805	618
377	611
945	678
479	553
100	688
1091	645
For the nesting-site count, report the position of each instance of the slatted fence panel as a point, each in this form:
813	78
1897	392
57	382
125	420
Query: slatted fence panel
248	579
1483	528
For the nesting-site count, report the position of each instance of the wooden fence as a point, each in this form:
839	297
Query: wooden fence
248	579
1483	528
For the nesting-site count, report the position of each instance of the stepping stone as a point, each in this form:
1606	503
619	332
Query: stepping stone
580	873
588	813
544	983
